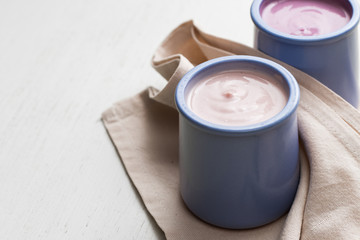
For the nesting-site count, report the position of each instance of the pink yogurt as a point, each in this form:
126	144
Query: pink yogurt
305	17
237	98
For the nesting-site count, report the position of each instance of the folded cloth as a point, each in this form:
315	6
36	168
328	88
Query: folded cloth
144	130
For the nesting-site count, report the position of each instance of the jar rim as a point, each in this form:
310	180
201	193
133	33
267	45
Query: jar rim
285	113
255	12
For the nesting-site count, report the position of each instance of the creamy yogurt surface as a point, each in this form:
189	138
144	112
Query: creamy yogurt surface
305	17
237	97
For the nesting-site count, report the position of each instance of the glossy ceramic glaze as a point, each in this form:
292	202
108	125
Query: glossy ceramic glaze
331	58
238	176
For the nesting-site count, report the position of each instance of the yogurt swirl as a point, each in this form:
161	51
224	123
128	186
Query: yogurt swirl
237	98
305	17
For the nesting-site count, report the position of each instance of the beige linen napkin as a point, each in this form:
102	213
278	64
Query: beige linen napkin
144	129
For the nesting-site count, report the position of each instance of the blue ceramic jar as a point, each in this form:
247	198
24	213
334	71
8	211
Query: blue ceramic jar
330	58
238	177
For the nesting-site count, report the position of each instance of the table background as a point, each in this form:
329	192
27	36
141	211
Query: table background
62	63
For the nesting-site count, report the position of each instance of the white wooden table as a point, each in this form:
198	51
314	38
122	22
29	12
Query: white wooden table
62	63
